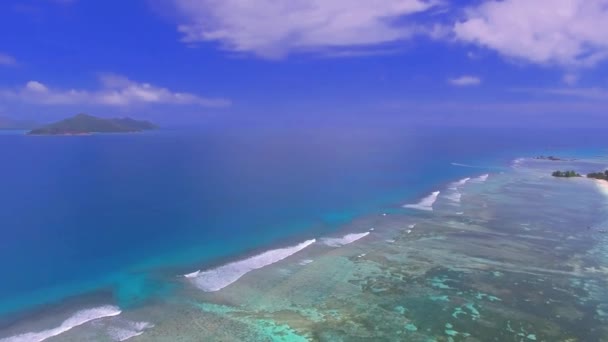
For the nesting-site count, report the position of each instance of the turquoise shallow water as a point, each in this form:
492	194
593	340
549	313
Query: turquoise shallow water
519	255
152	207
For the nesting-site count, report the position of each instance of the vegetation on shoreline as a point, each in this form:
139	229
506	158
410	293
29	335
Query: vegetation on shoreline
566	174
548	158
599	175
572	173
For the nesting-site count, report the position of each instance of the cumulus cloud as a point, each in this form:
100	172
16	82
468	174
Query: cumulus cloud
7	60
571	33
275	28
115	90
465	81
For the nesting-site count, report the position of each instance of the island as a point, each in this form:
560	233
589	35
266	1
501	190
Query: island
599	175
87	124
552	158
602	175
566	174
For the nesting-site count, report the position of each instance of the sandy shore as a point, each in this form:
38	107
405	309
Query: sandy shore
602	186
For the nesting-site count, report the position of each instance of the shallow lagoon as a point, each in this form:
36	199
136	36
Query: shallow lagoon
516	256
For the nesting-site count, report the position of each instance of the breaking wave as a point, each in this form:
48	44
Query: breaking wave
454	194
128	330
218	278
426	203
461	182
345	240
480	179
454	197
79	318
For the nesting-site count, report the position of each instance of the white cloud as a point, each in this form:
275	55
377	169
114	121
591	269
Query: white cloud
571	33
7	60
115	90
464	81
275	28
36	86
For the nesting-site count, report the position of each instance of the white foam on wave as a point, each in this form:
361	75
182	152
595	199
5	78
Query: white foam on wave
79	318
129	330
454	194
480	179
454	197
462	182
218	278
345	240
426	203
193	274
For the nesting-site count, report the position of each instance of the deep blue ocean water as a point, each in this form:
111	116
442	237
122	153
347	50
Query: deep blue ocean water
85	213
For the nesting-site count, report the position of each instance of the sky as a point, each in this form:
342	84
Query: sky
481	62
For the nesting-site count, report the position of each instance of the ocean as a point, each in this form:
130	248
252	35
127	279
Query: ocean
96	228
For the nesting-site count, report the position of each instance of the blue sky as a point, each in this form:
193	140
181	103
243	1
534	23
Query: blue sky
425	61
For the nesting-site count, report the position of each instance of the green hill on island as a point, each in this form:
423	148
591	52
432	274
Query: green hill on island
85	124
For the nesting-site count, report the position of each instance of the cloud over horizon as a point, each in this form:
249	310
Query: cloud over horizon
115	90
567	33
275	28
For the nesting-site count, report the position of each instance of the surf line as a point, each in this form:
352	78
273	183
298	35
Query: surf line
426	203
222	276
79	318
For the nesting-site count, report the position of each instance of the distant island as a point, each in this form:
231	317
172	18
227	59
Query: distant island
87	124
552	158
566	174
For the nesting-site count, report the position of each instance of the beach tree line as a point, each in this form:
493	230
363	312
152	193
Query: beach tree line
566	174
572	173
599	175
